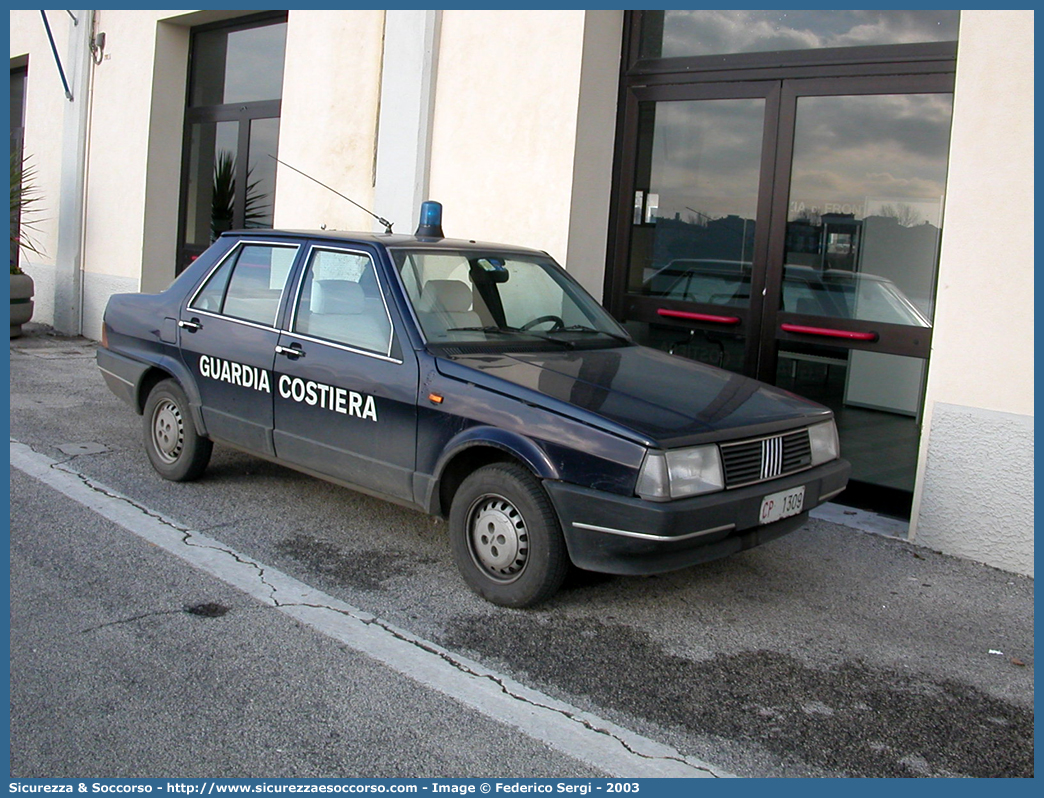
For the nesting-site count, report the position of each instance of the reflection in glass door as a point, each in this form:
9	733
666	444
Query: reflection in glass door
794	236
777	210
210	198
693	281
867	179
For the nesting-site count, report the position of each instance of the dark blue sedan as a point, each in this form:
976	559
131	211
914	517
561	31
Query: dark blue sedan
478	382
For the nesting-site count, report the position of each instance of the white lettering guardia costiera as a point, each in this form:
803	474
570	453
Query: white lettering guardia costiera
316	394
328	397
235	373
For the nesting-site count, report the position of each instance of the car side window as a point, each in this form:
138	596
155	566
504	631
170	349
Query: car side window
340	301
799	298
249	284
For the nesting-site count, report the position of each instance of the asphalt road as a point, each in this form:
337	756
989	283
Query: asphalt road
830	652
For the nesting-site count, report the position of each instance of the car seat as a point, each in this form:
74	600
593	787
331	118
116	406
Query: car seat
446	304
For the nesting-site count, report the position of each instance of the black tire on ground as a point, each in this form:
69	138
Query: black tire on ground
175	449
506	538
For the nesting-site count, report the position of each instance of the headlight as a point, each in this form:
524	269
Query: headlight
679	473
823	440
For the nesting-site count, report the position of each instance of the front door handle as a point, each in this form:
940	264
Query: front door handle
191	326
290	351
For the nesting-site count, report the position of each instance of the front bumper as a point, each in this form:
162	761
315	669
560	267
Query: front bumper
626	535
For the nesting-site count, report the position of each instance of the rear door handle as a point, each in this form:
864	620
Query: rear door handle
191	326
290	351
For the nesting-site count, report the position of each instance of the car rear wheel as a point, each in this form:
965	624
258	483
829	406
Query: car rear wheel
175	449
505	537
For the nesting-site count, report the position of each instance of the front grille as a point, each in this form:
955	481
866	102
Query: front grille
762	459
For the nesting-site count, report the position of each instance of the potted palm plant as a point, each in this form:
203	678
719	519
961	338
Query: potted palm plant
25	202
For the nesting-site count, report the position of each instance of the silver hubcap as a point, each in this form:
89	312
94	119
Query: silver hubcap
498	538
168	431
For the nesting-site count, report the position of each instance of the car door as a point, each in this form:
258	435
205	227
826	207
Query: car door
345	390
228	338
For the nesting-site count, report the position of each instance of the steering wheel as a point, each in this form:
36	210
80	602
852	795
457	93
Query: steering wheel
556	323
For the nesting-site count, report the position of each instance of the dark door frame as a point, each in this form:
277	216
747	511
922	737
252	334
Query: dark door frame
828	62
622	304
242	113
890	338
779	78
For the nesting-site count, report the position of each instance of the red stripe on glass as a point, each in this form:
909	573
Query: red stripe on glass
689	316
829	332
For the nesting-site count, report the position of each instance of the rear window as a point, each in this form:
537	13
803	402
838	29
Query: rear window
248	284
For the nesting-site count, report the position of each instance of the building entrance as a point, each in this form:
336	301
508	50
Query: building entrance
231	130
788	228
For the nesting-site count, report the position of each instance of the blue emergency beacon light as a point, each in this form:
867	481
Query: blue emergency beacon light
430	220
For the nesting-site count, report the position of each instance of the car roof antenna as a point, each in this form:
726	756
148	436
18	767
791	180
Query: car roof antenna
380	219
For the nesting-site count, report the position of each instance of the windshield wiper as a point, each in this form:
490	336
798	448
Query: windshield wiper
513	331
583	328
490	329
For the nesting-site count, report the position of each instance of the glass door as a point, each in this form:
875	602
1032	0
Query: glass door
696	228
789	230
231	130
856	226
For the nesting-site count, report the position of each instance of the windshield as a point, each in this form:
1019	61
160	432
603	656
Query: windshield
507	299
848	295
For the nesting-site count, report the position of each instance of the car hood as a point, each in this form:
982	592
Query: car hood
660	399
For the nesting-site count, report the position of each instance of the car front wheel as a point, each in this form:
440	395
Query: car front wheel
505	537
175	449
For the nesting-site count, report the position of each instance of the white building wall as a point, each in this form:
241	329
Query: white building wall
328	124
44	110
595	145
118	161
505	107
119	109
162	180
975	485
505	138
513	159
505	126
408	73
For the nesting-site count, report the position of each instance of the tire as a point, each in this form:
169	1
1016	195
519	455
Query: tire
175	449
505	537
